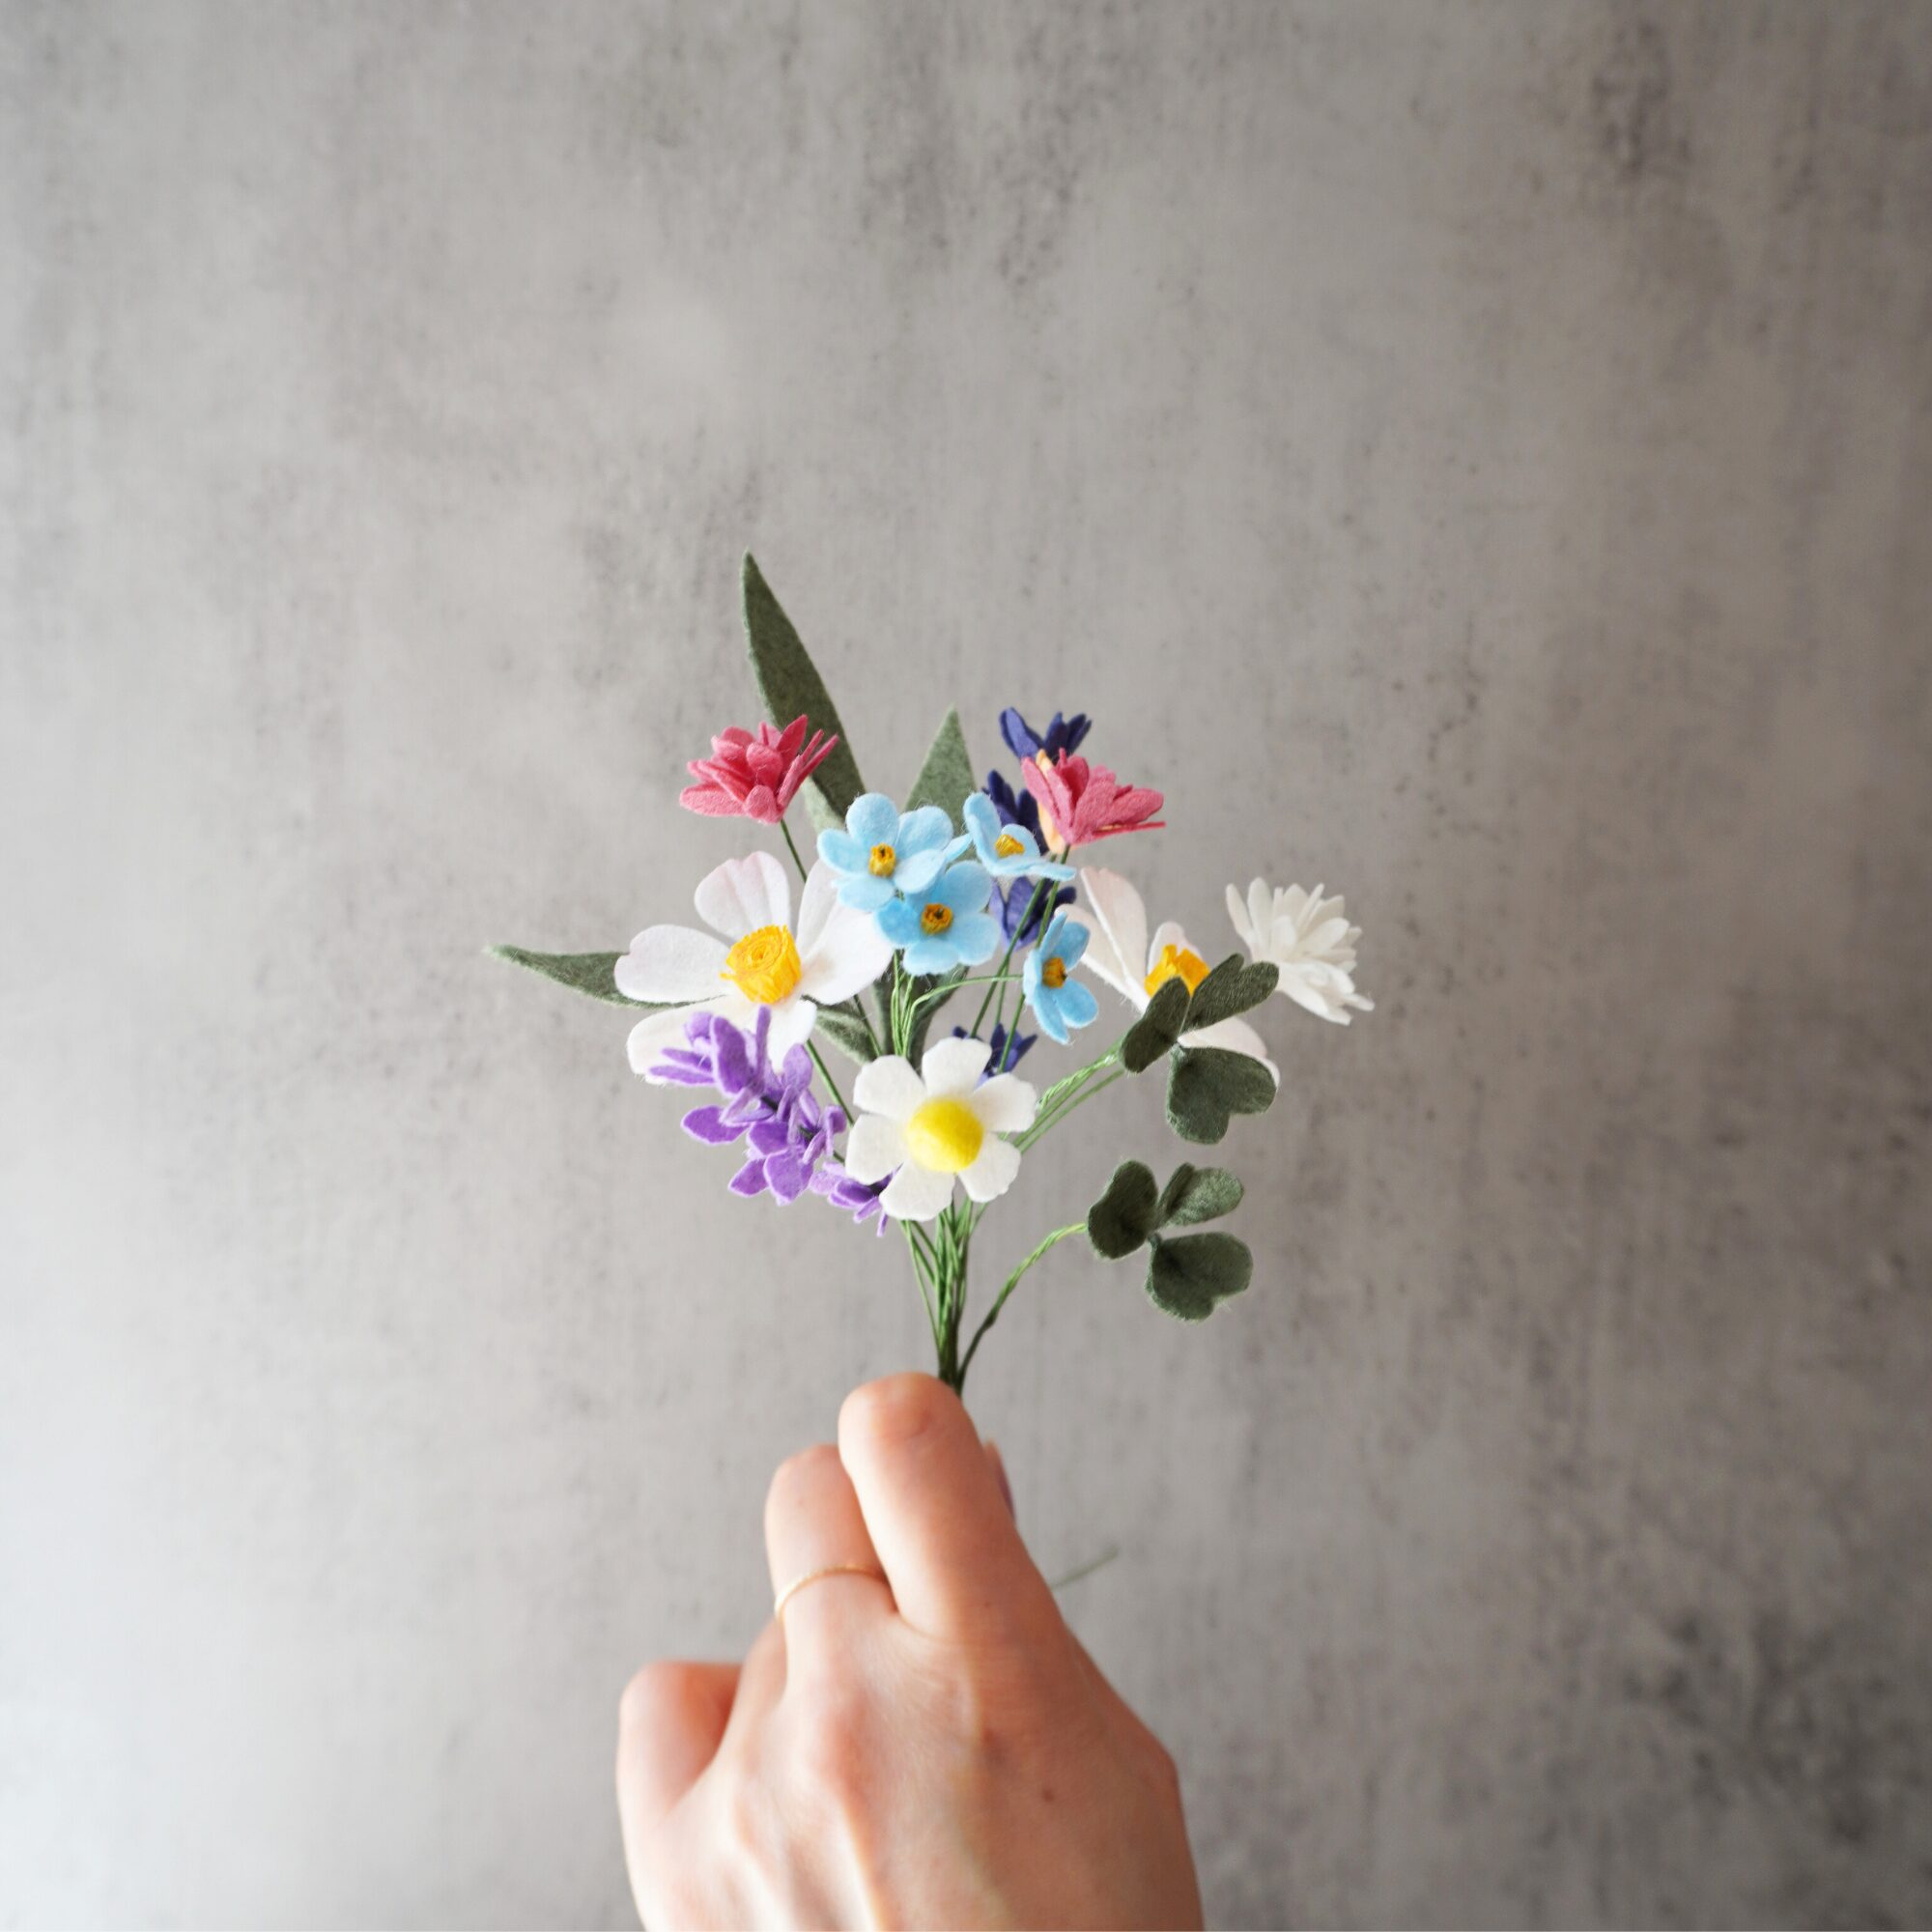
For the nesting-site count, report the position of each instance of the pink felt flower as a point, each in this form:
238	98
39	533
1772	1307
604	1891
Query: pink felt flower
1079	801
750	776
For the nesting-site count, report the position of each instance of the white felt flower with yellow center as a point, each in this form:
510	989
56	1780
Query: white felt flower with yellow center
1310	939
923	1126
1121	944
754	957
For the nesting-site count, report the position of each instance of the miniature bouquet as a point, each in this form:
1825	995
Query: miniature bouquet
961	907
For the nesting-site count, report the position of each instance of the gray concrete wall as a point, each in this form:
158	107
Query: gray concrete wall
1477	457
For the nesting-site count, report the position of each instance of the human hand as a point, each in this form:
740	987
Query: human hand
924	1745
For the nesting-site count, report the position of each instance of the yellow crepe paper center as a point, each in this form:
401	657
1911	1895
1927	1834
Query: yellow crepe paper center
945	1136
765	965
1053	972
884	859
1177	962
935	917
1006	847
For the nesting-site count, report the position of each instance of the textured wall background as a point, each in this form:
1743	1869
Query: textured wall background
1478	456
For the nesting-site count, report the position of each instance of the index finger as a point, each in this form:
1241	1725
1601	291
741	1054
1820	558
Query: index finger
932	1504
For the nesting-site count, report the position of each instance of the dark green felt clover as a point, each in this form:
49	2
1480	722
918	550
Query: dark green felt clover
946	779
1234	986
1126	1215
1207	1086
1157	1029
1187	1276
588	973
789	683
1196	1194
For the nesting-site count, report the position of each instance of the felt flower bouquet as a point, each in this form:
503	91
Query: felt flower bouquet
932	946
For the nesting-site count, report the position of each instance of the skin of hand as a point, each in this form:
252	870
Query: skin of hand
927	1745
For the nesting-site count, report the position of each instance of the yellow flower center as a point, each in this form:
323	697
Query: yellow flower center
765	965
945	1136
935	917
1177	962
1006	847
884	859
1054	971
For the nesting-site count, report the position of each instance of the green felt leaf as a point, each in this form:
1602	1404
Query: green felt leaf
1232	987
1195	1194
1125	1216
946	779
1208	1085
1188	1275
922	1023
843	1028
789	683
1157	1029
582	972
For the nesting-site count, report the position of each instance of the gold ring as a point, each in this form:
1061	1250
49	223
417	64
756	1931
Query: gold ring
797	1583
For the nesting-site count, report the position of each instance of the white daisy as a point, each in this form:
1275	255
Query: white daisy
1310	939
760	960
924	1125
1120	943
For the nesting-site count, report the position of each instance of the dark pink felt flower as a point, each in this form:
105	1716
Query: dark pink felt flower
1079	801
755	775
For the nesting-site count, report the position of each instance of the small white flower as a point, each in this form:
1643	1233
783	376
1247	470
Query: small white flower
924	1125
1310	939
1120	944
760	960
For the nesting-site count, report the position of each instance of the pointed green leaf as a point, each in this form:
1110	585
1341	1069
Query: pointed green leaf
1208	1084
1232	987
1195	1194
844	1029
1124	1217
1157	1029
946	779
582	972
1187	1276
789	683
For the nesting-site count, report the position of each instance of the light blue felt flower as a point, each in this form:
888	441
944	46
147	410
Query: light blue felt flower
948	924
884	852
1058	999
1007	851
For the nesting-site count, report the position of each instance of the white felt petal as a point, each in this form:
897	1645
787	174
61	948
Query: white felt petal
814	907
743	895
1167	933
992	1171
1237	1037
848	954
1118	924
889	1087
657	1030
1245	930
670	964
953	1067
792	1021
1006	1104
917	1194
874	1149
1263	908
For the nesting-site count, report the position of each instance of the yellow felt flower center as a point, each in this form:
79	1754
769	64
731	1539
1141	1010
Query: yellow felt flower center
765	965
945	1136
935	917
1006	847
1177	962
884	859
1053	972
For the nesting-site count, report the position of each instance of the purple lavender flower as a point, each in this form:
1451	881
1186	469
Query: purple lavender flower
860	1201
786	1132
1064	734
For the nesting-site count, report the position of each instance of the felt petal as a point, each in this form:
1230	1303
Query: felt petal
951	1067
889	1087
898	924
761	803
1078	1006
917	1194
652	1034
1073	938
1167	933
743	895
929	956
915	871
1006	1104
966	887
873	820
975	937
1045	1006
713	801
816	906
923	827
866	894
1238	1037
668	965
849	953
1243	924
842	850
982	821
1264	909
1120	933
875	1147
993	1172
